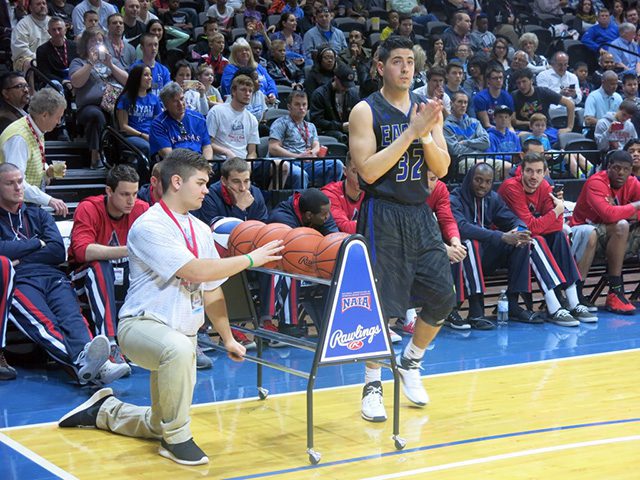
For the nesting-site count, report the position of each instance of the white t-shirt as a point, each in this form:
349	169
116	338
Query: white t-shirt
157	250
231	129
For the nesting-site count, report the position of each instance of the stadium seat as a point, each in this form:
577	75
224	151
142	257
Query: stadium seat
436	28
348	24
544	37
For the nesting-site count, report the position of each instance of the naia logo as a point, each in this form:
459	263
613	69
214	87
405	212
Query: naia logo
355	300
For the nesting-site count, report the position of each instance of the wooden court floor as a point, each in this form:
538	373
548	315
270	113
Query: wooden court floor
572	418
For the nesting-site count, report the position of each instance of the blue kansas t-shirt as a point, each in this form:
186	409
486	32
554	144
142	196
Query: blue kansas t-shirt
190	133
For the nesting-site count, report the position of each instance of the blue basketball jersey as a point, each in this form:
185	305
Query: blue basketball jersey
404	182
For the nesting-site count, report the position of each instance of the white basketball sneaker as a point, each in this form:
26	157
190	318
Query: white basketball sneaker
412	386
372	403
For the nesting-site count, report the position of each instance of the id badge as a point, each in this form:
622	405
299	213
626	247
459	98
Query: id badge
196	301
118	273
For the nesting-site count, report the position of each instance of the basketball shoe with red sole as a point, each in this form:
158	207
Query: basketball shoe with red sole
618	304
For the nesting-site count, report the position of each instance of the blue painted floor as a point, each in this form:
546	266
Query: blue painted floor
41	395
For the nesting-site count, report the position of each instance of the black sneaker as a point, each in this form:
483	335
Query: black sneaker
297	331
185	453
7	372
481	323
455	321
85	415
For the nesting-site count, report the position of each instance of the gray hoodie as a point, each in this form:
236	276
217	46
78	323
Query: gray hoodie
604	135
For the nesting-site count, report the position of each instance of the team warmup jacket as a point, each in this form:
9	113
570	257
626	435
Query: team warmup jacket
441	205
599	203
478	217
219	203
288	212
93	224
535	209
343	209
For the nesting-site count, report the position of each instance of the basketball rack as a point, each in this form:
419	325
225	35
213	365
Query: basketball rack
353	328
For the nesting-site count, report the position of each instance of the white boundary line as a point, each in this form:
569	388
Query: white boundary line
505	456
35	458
341	387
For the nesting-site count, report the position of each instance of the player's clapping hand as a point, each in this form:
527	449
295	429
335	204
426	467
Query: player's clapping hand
235	350
424	117
267	253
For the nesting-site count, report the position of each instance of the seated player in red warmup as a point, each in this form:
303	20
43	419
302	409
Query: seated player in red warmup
98	252
530	197
346	198
610	200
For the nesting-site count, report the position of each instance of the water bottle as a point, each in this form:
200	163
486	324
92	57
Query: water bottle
503	309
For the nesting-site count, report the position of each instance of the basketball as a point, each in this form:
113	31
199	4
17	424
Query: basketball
269	233
241	238
298	255
221	229
327	252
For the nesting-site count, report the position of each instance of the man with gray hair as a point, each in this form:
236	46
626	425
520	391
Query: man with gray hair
559	79
623	46
178	127
23	144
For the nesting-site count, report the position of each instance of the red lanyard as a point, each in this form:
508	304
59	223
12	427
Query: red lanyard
65	59
40	143
305	135
117	52
192	248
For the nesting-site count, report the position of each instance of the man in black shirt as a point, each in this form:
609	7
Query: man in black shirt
133	28
528	100
54	56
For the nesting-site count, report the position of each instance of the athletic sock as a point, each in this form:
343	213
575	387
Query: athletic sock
615	285
476	306
553	305
413	352
572	296
372	375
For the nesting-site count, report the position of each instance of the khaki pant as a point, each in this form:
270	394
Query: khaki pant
170	356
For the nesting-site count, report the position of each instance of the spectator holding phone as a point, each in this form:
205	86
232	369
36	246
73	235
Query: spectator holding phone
614	130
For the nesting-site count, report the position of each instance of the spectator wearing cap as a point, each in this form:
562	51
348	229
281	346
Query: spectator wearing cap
321	72
604	99
626	55
610	201
501	137
605	31
332	102
481	36
323	33
614	130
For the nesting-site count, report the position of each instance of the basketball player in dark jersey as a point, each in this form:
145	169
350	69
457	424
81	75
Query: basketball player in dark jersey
394	136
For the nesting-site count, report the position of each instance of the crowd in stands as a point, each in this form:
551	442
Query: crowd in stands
263	89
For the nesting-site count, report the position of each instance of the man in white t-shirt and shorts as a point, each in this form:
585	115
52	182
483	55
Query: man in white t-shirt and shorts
175	275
